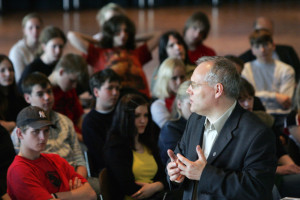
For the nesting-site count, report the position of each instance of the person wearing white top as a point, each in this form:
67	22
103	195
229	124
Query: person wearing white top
26	49
273	80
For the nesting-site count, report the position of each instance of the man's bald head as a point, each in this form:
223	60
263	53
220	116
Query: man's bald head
264	23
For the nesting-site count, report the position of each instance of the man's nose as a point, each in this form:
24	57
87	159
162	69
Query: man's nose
42	136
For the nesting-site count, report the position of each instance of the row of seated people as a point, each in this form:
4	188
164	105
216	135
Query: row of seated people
112	90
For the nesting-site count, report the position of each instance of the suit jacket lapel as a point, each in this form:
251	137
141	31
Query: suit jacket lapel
197	137
226	134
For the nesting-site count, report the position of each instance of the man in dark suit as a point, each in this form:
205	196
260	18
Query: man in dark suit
284	53
226	152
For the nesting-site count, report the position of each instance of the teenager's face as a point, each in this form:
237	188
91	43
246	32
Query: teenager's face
263	52
246	102
32	30
141	118
41	97
194	34
6	73
121	37
177	78
53	49
67	81
35	140
107	95
175	49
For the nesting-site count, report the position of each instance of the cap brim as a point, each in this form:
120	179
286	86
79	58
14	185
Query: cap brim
41	123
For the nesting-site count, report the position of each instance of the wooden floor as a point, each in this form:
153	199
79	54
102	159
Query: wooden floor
231	24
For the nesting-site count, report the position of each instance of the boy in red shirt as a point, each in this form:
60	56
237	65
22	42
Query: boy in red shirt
35	175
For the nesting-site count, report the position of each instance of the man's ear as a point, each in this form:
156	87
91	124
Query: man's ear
19	133
219	90
27	98
96	92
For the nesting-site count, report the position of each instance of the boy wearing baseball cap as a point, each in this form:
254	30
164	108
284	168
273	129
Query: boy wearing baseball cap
35	175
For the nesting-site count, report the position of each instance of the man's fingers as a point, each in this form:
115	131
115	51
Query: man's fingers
173	171
171	155
200	153
182	160
171	165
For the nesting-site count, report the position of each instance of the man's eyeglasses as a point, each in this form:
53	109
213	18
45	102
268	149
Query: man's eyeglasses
194	85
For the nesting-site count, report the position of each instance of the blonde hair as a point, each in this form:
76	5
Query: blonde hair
164	74
100	17
180	96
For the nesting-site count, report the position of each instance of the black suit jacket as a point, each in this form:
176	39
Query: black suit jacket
286	54
241	164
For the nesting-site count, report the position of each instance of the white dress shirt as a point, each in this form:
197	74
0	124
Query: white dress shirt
212	130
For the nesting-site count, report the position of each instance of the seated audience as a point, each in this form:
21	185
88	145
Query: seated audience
11	102
62	140
287	172
117	50
26	49
52	41
284	53
173	129
69	71
105	87
170	75
131	157
36	175
195	31
273	80
7	155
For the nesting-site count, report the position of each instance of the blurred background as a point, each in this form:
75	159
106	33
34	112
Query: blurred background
231	20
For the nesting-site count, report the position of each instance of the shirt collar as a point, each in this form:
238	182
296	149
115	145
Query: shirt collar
219	123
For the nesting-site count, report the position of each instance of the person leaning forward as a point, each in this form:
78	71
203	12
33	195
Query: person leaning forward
225	151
